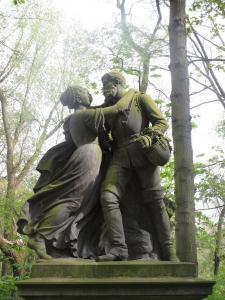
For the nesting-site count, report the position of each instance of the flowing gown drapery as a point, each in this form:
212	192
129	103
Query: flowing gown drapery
65	208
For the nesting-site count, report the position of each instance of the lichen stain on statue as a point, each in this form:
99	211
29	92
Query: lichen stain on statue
103	203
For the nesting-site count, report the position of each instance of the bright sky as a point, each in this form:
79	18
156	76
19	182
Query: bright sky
91	13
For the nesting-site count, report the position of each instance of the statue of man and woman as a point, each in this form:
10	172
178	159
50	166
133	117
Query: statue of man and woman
98	201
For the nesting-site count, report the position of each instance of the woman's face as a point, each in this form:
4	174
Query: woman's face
70	103
77	100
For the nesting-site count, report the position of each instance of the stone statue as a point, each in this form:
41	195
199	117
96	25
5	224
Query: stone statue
63	217
132	156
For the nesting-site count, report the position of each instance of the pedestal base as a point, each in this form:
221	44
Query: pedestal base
128	280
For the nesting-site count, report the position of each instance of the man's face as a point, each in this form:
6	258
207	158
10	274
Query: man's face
110	90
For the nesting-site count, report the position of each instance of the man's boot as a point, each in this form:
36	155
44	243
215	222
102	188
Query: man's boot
115	230
161	224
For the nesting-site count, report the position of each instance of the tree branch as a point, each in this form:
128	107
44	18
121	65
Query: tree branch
215	207
121	6
209	41
18	163
214	80
28	86
210	165
194	93
4	73
7	250
202	84
157	24
206	60
39	144
48	135
158	90
8	134
203	103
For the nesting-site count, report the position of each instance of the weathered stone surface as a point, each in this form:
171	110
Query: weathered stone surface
127	280
90	269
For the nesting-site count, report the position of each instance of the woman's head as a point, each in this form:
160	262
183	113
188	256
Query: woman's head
75	97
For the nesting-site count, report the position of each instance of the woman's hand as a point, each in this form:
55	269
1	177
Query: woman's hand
122	104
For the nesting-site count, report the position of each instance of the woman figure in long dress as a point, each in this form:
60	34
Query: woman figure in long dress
63	217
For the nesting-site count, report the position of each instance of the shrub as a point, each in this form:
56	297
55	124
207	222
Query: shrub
219	287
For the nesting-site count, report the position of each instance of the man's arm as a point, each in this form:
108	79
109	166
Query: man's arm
154	115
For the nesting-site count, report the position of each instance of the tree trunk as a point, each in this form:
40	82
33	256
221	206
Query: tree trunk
219	236
181	129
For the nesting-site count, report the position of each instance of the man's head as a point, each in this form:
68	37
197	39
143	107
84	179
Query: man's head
75	97
114	85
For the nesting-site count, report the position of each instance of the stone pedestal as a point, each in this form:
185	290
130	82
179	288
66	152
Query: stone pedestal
67	279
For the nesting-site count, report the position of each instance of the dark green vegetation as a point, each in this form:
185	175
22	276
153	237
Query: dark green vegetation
39	58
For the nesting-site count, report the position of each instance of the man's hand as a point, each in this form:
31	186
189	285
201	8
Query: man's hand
144	140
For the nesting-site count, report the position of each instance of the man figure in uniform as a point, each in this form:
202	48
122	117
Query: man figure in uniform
129	158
